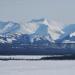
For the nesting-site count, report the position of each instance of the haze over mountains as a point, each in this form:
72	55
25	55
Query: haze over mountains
38	29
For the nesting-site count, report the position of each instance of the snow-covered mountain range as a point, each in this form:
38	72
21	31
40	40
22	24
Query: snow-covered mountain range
37	31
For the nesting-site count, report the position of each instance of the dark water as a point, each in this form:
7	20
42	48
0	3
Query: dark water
37	58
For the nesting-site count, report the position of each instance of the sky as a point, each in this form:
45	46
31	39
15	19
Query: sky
22	10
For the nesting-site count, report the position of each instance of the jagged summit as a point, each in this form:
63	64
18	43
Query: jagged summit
52	30
40	20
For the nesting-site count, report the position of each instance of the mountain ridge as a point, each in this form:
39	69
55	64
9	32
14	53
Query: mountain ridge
39	28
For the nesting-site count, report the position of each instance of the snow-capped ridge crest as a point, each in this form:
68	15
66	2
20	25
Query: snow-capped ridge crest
43	21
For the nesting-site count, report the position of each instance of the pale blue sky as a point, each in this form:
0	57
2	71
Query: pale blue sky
60	10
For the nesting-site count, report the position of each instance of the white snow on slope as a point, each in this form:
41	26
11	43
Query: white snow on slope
2	41
68	41
9	40
54	28
68	30
42	26
28	28
9	28
72	34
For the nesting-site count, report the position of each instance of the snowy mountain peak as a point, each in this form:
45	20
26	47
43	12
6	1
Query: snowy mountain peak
9	28
38	28
41	27
43	21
